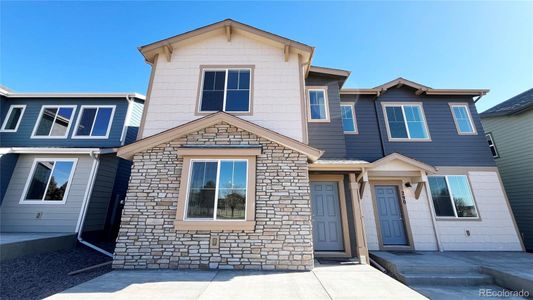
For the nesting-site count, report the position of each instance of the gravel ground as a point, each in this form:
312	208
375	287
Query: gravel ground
42	275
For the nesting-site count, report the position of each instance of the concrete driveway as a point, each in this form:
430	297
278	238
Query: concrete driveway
324	282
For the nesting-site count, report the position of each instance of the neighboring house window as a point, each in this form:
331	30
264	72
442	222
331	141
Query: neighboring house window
349	123
13	118
226	90
492	146
452	196
54	121
318	105
94	121
217	190
406	122
463	119
49	181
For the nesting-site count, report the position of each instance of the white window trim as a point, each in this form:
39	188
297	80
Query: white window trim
326	104
488	135
218	160
352	105
33	136
467	108
30	178
450	191
109	126
225	90
402	105
11	107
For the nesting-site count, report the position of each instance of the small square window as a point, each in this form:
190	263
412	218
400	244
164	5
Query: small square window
54	121
226	90
94	121
13	118
49	181
452	196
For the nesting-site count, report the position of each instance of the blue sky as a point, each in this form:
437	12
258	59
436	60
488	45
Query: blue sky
92	46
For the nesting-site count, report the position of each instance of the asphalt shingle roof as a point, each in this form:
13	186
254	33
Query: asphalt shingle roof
517	104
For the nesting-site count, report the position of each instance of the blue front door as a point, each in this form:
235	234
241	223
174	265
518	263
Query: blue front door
390	215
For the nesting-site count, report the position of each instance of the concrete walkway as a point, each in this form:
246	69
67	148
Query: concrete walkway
324	282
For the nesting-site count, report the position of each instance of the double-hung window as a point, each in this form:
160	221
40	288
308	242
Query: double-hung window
406	122
492	145
13	118
49	181
94	121
217	189
452	196
349	123
226	90
462	118
54	121
318	105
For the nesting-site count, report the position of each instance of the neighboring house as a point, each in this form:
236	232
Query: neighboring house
509	130
248	157
59	169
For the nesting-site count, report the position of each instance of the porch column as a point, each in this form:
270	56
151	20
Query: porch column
362	247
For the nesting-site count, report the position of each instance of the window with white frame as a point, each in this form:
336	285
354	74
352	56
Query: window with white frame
226	90
54	121
463	119
349	123
406	122
94	121
492	145
217	189
318	105
13	118
452	196
49	181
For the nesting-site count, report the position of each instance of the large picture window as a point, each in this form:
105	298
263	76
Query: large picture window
217	190
406	122
49	181
226	90
94	121
13	118
54	121
452	196
463	119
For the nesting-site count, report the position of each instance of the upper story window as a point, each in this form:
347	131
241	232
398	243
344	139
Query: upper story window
54	121
49	181
94	121
226	90
406	122
492	145
13	118
217	190
452	196
349	123
462	118
318	104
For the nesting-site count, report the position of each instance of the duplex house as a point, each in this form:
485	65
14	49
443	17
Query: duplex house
249	157
59	168
509	130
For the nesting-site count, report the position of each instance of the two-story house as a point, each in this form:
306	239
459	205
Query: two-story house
59	170
248	157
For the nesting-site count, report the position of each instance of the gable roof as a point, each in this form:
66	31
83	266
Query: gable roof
227	26
128	151
405	159
517	104
420	89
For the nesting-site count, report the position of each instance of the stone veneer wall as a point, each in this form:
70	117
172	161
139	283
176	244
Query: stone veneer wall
282	239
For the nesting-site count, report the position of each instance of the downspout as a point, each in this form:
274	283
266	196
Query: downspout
92	178
379	125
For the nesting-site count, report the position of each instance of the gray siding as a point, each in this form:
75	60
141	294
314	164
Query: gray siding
101	194
16	217
513	137
328	136
7	165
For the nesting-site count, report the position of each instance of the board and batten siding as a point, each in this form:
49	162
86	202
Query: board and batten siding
276	84
16	217
494	231
513	137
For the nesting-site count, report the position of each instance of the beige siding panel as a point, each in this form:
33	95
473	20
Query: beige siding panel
420	220
369	220
276	86
15	217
